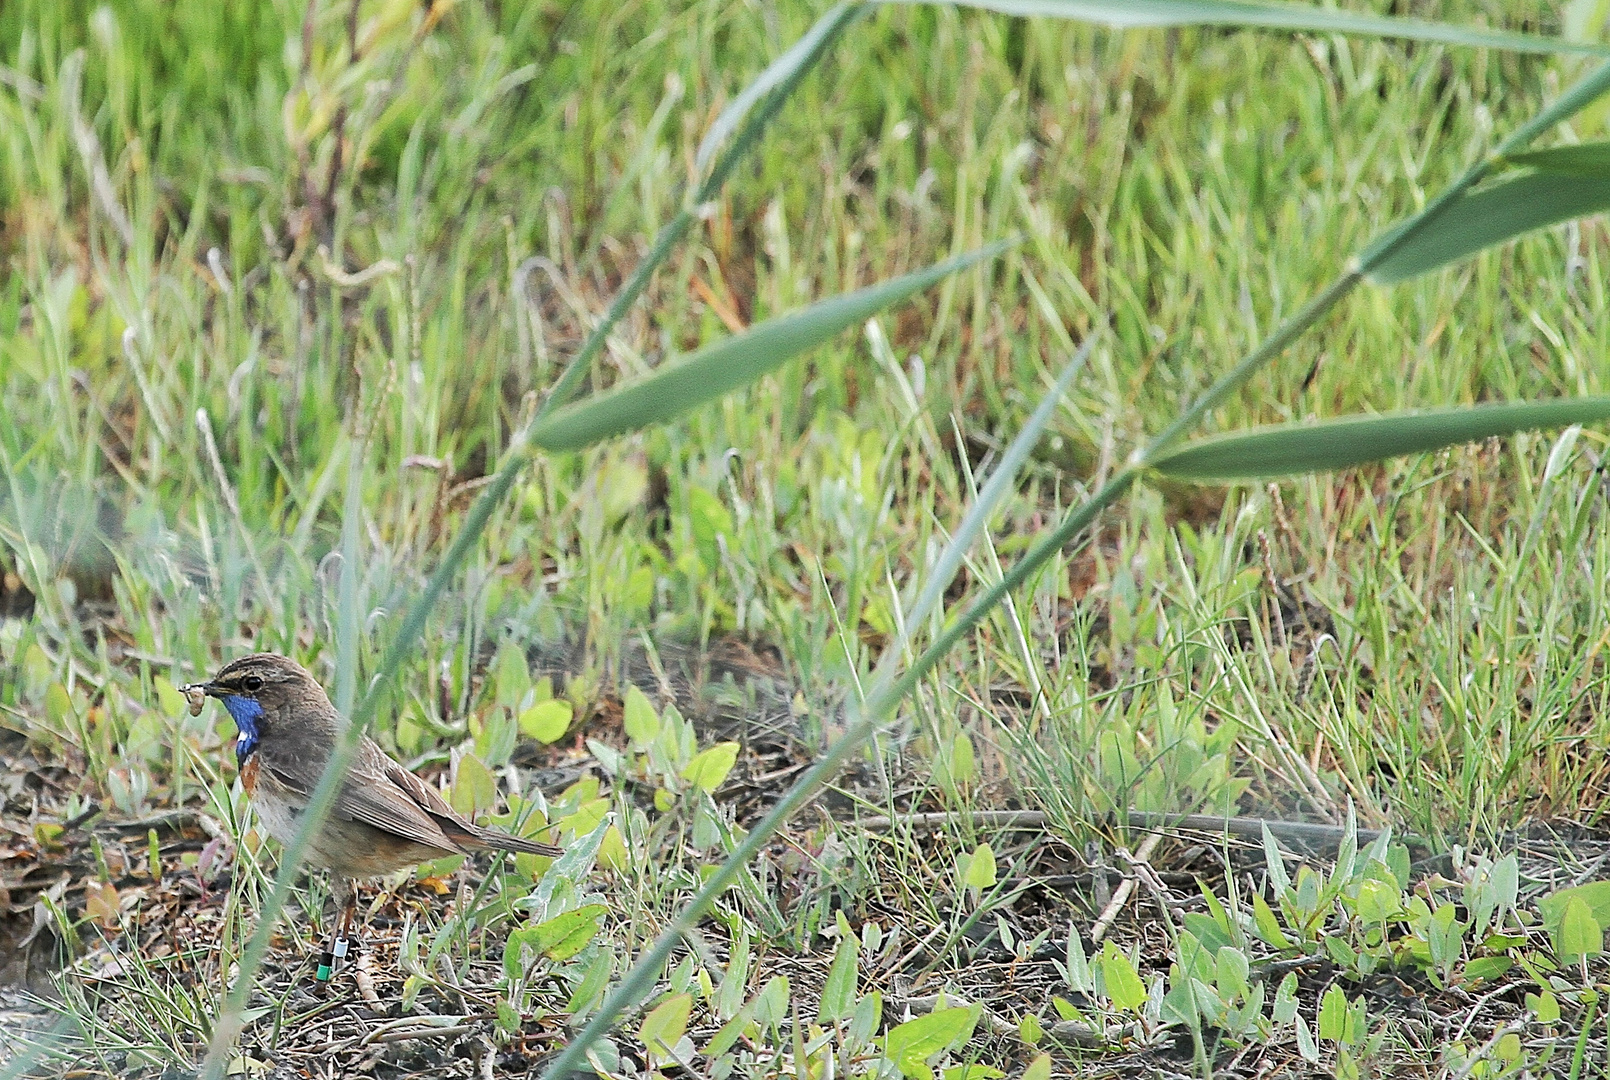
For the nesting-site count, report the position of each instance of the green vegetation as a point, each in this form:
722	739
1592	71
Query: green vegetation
285	294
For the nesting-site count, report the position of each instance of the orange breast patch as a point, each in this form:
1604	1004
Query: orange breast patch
248	775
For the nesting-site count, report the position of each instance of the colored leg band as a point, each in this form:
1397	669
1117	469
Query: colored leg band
323	974
340	949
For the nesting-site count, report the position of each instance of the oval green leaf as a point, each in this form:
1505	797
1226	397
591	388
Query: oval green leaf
912	1043
474	789
546	721
1124	987
666	1023
838	992
1284	449
710	767
641	721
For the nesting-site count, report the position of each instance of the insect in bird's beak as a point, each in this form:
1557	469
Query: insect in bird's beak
196	695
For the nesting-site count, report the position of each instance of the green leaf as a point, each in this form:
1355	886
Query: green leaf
1265	923
666	1023
641	721
1479	219
912	1043
1488	967
1583	159
1039	1068
963	759
590	991
1274	864
1123	984
710	767
563	936
1335	1016
973	1071
1284	1009
1378	901
980	868
737	361
1595	894
547	721
1266	15
169	700
1283	449
1580	934
511	677
838	992
1232	971
58	704
474	789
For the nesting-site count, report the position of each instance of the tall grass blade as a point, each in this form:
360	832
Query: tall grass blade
1355	440
1265	15
731	363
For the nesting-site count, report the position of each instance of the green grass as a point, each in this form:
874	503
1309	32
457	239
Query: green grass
1438	661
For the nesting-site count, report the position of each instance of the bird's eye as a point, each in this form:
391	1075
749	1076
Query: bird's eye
252	683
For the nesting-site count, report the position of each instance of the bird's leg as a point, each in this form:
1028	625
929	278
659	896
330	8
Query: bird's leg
346	905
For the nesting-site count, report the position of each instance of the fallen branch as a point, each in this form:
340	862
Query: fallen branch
1309	832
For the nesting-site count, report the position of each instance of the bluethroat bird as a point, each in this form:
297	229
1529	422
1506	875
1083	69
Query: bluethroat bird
384	818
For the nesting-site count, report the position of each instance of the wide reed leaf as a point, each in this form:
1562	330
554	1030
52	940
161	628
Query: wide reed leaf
1583	159
1284	449
1265	15
733	362
1498	212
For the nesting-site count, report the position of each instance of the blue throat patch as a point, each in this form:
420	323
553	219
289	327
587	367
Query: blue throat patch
246	712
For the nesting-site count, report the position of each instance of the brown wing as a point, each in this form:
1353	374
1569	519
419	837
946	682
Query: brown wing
381	793
452	823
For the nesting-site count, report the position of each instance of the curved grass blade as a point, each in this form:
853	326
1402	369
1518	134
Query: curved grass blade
1355	440
1584	159
1265	15
731	363
1492	215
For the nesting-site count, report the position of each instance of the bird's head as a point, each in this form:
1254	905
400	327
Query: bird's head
257	689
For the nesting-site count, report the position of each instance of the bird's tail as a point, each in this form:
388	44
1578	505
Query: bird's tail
502	841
